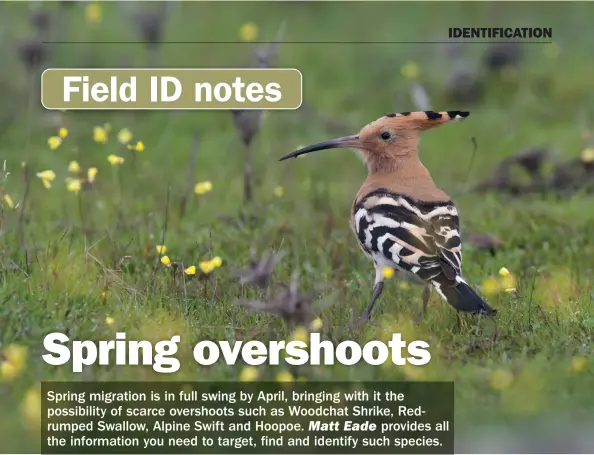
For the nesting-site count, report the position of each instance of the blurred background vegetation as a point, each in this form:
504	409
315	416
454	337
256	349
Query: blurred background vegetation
138	221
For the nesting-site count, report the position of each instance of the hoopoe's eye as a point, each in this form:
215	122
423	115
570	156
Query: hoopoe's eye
385	135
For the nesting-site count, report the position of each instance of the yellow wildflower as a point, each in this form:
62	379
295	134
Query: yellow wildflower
100	134
203	187
74	167
93	13
54	142
47	177
388	272
248	32
190	270
8	201
284	376
508	283
588	155
16	354
279	191
300	334
114	160
109	320
31	408
410	70
317	324
216	261
63	133
103	295
124	136
206	267
249	374
7	371
91	173
166	261
73	185
15	357
501	379
161	249
503	271
578	364
139	147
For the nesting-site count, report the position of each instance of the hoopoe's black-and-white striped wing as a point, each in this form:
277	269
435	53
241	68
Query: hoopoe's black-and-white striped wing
422	239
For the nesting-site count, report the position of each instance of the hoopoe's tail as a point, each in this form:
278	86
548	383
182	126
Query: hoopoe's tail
463	298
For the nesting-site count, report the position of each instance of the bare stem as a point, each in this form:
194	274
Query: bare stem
190	178
248	174
163	234
81	212
21	221
118	184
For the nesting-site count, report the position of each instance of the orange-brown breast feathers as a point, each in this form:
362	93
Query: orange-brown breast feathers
416	184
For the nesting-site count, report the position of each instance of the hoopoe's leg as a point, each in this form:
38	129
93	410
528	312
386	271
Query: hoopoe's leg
377	291
378	287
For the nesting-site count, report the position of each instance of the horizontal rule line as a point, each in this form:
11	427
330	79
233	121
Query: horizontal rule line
301	42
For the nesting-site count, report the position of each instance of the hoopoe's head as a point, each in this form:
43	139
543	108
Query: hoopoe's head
389	138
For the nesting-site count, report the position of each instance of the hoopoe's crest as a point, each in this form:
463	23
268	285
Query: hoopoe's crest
402	220
411	121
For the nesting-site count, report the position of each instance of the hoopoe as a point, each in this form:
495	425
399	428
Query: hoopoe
402	220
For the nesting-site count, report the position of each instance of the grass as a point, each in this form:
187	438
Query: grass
534	363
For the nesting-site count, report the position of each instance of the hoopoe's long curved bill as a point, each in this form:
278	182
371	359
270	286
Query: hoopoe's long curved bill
341	142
